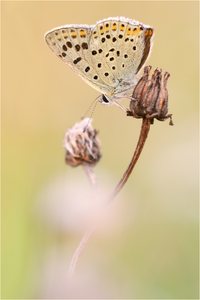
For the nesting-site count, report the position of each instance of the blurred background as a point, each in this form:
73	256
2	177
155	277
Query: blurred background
147	246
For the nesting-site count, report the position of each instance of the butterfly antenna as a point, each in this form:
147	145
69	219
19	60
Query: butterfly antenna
91	109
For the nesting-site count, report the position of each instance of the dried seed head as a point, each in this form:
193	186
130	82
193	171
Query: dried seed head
150	96
81	144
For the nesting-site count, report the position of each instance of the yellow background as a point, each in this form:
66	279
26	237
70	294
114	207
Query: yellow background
152	249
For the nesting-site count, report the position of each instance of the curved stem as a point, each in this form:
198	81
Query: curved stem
146	123
90	174
75	257
78	251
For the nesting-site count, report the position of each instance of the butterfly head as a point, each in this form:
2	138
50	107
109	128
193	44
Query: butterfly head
104	99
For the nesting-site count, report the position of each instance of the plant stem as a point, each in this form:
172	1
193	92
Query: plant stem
141	141
146	123
73	262
90	174
79	250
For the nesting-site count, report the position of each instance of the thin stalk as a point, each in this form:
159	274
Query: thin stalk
79	250
146	123
141	141
73	262
89	171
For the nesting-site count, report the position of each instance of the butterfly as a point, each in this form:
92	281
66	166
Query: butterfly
107	55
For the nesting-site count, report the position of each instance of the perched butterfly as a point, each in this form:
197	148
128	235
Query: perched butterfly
107	55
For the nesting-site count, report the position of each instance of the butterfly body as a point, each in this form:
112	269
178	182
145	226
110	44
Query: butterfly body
107	55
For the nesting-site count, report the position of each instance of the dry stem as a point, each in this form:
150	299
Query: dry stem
78	251
92	179
146	123
89	170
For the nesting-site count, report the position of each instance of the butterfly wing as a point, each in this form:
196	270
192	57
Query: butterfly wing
107	55
71	44
121	46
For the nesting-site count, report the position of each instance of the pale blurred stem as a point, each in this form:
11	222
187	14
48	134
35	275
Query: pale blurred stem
79	250
89	170
146	123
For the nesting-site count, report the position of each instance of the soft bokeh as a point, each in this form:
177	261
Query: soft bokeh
148	245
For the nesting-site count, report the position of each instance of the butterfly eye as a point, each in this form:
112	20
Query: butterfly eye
104	99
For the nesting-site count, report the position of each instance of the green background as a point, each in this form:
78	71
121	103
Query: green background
147	247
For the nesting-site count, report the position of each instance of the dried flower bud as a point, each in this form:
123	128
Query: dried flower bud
150	96
81	144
